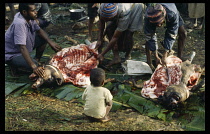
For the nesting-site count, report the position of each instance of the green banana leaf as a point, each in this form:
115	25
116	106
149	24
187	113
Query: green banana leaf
119	77
66	90
11	86
18	93
147	107
115	106
109	85
73	94
56	92
197	123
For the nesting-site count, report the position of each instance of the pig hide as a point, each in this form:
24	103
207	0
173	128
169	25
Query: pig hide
182	74
73	63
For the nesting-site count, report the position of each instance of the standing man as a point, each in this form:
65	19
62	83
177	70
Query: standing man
124	19
44	18
20	39
12	12
156	15
196	10
92	13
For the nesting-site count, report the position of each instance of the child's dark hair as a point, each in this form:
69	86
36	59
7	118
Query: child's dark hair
97	77
24	6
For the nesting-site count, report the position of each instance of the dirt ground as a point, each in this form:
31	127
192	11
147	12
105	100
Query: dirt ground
36	112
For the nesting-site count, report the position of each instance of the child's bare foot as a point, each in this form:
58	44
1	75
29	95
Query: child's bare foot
105	119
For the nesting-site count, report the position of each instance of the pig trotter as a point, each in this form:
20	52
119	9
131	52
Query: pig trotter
38	83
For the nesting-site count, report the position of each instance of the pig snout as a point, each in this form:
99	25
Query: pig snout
173	103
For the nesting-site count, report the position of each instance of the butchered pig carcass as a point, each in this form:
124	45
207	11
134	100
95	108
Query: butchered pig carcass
72	64
171	85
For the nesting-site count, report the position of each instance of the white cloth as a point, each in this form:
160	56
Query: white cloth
196	10
95	98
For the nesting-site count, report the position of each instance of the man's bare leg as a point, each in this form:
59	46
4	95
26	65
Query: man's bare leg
181	40
116	58
149	58
39	52
90	26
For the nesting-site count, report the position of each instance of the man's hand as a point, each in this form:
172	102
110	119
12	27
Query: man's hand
165	55
164	62
39	71
98	44
158	61
100	58
95	5
55	47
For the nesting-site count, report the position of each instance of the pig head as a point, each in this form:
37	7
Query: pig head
175	94
52	75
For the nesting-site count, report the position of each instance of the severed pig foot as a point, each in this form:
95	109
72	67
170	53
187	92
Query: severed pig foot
38	83
33	77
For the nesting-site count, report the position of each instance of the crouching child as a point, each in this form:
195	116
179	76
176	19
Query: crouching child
98	100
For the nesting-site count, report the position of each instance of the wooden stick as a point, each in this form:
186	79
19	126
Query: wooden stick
70	39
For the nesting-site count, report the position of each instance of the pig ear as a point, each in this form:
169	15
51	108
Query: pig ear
59	81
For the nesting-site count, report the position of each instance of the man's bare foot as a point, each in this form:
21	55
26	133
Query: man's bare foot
114	61
199	27
89	38
128	57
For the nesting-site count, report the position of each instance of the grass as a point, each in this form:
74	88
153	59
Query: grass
40	114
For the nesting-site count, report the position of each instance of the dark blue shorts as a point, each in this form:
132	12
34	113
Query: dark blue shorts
20	62
92	12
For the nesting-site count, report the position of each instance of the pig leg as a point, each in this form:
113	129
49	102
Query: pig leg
33	77
38	83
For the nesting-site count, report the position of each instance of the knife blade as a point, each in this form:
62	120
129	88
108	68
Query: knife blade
91	54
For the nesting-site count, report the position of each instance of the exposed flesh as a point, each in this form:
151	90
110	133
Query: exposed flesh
159	81
75	63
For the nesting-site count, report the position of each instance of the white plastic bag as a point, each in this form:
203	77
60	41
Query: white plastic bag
132	67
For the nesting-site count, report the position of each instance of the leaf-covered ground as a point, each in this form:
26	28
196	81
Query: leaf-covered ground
41	111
